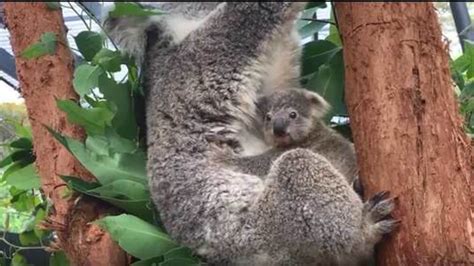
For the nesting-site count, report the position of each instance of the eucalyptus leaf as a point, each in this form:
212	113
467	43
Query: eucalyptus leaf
22	143
334	35
124	121
137	237
94	120
23	157
148	262
24	202
317	53
89	43
311	28
53	5
11	169
28	238
24	178
6	161
46	45
136	207
123	189
110	142
39	217
18	260
58	259
86	77
180	253
129	9
179	262
108	59
318	4
20	130
107	168
329	83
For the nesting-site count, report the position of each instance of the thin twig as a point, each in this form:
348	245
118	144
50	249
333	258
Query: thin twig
79	15
20	247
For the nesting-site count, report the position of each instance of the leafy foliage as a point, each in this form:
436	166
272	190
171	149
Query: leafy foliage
462	70
22	207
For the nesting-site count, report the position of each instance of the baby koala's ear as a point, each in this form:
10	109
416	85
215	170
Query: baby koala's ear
322	106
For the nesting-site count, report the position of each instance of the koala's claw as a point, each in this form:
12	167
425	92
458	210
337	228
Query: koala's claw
387	226
379	206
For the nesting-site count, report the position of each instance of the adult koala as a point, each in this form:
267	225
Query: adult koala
304	212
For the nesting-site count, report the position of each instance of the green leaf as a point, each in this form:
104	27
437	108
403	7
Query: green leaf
108	59
123	189
136	207
137	237
24	202
58	259
89	43
22	143
318	4
6	161
132	9
20	130
466	61
24	178
29	238
148	262
180	253
311	28
46	45
18	260
329	83
468	91
53	5
86	77
11	169
315	54
94	120
109	143
334	35
39	217
131	166
23	157
124	121
179	262
79	184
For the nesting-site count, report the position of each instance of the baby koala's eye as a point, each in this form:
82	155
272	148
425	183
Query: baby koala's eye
268	117
293	115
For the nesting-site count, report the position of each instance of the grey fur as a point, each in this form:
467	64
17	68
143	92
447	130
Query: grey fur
303	213
307	130
133	34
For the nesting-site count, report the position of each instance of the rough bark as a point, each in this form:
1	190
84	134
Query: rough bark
407	130
43	80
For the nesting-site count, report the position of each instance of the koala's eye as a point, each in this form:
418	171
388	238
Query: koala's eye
268	117
293	115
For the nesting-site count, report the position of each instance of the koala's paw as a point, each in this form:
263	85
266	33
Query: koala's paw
377	211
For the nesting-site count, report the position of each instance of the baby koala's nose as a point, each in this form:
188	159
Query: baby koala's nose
279	127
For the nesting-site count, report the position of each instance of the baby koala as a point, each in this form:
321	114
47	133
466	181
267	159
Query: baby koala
292	118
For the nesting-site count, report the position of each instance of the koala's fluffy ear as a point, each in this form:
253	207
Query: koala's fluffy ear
322	106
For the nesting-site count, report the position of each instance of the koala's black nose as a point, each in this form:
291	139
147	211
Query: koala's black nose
279	127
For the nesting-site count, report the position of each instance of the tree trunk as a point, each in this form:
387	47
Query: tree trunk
42	81
407	129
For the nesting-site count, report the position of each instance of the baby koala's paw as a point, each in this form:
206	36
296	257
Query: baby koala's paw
377	212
